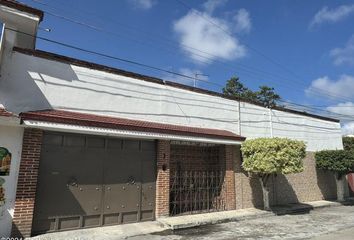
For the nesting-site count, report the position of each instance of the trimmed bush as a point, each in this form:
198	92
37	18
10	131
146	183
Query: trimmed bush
270	156
339	162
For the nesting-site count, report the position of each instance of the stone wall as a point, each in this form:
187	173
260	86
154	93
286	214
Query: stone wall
310	185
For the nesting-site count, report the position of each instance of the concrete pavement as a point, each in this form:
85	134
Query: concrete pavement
251	223
105	233
346	234
188	221
313	225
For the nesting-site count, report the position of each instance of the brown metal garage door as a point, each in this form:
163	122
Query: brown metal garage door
89	181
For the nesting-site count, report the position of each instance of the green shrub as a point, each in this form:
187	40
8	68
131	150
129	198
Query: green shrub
273	155
339	161
269	156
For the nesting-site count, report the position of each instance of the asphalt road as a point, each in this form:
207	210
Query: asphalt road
347	234
321	224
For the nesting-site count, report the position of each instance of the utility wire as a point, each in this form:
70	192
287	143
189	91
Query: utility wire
142	64
252	48
113	57
316	91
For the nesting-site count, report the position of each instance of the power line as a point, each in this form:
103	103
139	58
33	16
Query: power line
113	57
348	117
135	63
252	48
244	68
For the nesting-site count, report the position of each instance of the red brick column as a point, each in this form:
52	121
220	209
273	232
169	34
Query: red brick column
163	179
229	180
27	183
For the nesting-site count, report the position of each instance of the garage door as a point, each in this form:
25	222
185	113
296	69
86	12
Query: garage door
89	181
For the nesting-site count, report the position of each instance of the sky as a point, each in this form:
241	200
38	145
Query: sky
304	49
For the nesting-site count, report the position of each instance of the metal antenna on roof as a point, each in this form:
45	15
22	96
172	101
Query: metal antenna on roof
196	78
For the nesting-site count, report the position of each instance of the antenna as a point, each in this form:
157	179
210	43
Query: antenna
196	78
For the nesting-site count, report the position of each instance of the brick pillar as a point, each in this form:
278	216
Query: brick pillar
163	179
229	180
27	183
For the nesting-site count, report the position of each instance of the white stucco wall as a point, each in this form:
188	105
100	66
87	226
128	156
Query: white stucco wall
32	83
10	138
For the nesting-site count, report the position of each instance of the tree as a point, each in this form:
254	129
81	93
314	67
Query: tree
348	143
265	95
234	87
265	157
340	163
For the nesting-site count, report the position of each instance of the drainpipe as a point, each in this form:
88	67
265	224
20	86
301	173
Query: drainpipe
239	117
270	122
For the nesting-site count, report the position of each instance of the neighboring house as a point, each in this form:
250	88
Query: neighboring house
94	146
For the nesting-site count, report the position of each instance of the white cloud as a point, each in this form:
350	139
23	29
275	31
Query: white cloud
187	72
343	87
211	5
242	21
332	15
346	110
344	55
199	32
143	4
348	128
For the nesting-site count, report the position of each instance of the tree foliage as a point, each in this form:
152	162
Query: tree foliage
338	161
265	95
270	156
234	87
273	155
348	143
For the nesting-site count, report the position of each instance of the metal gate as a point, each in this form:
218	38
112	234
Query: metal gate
197	179
89	181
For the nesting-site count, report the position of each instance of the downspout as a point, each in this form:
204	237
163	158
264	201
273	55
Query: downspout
270	122
274	180
239	117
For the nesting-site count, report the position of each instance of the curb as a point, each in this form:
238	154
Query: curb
217	221
288	209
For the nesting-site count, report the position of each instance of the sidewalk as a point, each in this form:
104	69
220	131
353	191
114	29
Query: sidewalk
188	221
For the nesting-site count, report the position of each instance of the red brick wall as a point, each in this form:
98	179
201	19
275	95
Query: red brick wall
163	179
27	182
229	181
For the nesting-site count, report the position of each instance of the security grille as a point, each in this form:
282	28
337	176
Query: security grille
197	179
197	192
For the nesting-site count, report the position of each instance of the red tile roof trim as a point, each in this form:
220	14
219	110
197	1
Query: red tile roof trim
90	120
4	113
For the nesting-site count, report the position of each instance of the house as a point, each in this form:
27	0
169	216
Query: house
93	145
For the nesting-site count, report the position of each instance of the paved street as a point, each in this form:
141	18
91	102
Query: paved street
314	225
347	234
